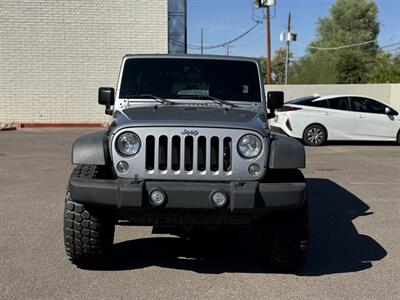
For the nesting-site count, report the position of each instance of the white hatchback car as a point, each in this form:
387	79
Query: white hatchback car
316	119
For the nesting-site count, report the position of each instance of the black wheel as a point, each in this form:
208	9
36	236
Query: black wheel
398	137
88	232
287	239
287	236
314	135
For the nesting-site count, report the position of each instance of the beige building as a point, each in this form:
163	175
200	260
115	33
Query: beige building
55	54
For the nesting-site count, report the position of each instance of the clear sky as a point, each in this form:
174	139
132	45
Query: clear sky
223	20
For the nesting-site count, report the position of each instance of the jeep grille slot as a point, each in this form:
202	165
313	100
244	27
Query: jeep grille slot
201	153
188	153
176	153
214	154
162	153
150	150
227	154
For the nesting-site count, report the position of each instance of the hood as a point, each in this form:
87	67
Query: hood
192	116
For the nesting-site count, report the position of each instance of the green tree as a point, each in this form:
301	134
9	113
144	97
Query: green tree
263	63
349	22
277	66
318	68
386	69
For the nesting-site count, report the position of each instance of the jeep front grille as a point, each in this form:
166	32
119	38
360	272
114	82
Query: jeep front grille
188	154
174	153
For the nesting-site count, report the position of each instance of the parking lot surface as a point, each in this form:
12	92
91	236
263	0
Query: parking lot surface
354	251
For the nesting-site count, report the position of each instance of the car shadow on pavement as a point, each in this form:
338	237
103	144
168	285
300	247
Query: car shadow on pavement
361	143
335	244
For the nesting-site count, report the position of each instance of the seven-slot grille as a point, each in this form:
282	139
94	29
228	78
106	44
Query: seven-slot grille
176	153
188	154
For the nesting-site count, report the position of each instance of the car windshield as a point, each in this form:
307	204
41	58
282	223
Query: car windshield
176	78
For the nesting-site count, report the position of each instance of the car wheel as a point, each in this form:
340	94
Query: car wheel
88	236
287	239
286	231
314	135
398	137
88	231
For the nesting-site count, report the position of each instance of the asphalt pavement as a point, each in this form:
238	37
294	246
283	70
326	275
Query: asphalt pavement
354	246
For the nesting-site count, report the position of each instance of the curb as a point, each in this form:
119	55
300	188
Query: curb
62	125
7	126
15	126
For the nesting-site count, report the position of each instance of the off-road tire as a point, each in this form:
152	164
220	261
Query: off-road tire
314	135
287	235
88	231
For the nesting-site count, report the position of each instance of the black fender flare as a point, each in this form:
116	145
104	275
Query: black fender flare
90	149
286	153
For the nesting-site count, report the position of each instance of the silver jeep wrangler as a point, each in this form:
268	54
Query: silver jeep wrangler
189	148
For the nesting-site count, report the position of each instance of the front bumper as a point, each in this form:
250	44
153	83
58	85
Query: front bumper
128	195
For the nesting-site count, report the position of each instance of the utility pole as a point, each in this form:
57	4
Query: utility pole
288	38
268	16
227	49
202	41
267	4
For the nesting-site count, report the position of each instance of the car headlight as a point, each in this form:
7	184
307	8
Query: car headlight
128	143
249	146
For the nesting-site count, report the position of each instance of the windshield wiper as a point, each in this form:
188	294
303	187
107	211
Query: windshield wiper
150	96
218	101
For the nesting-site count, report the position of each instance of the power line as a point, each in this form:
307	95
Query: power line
391	45
395	51
348	46
343	46
198	47
326	54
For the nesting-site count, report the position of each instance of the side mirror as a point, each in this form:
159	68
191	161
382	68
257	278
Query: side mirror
275	100
388	111
107	98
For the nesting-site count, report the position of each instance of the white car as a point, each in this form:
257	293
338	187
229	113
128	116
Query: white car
317	119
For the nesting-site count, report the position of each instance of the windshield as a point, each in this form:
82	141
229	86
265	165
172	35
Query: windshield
175	78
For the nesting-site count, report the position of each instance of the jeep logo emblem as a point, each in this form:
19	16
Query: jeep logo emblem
189	132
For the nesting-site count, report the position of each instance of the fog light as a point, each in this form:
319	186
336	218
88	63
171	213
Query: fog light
157	198
219	199
122	166
254	170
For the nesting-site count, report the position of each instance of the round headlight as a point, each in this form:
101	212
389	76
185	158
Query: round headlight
128	143
249	146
